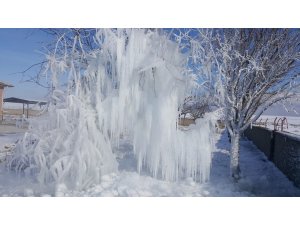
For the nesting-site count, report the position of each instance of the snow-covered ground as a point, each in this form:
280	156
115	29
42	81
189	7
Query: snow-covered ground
259	178
293	123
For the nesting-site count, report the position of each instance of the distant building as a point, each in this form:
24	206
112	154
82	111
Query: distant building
2	86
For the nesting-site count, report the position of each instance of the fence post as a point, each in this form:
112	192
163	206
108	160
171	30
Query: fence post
272	145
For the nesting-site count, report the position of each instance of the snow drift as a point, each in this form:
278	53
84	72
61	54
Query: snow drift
131	87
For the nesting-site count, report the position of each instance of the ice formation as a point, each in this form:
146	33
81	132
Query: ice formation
132	87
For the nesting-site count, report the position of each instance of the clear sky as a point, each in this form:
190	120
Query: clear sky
19	49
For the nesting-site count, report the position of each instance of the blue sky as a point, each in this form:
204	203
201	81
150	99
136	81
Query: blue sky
19	49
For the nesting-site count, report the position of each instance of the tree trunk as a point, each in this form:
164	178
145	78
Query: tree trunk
234	156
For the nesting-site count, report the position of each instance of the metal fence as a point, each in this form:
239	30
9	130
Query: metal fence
282	148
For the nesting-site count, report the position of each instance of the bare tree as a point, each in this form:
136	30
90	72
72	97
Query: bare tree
253	69
196	106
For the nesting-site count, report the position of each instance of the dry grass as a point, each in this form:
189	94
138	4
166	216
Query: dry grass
185	122
11	118
19	112
11	128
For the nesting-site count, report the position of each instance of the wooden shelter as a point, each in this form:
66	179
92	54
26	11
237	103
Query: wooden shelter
24	102
2	86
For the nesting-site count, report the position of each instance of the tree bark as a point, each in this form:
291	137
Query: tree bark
234	156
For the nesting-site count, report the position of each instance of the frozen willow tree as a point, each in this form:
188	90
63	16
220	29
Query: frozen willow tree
130	86
252	69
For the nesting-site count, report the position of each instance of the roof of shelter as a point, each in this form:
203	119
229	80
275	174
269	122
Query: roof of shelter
2	84
24	101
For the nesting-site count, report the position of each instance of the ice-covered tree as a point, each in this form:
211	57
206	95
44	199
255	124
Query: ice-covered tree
252	69
128	87
60	43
